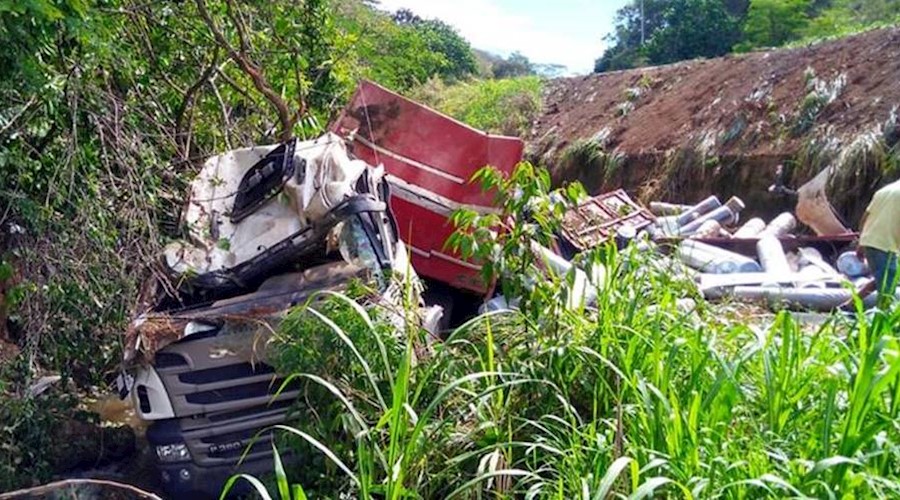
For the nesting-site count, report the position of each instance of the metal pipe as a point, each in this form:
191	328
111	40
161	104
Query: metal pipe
582	292
708	281
815	299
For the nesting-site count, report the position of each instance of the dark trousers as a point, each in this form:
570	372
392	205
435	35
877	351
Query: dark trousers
884	267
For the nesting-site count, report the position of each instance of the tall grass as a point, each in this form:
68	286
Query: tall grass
505	106
631	396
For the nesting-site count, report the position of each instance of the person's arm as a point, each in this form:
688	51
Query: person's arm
860	254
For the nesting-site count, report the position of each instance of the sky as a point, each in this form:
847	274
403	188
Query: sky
567	32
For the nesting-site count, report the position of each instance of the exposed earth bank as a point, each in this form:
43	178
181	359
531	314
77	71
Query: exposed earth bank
682	131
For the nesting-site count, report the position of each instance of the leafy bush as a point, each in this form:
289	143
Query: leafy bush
652	32
107	111
506	106
28	451
641	393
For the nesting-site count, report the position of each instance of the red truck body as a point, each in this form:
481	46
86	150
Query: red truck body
429	158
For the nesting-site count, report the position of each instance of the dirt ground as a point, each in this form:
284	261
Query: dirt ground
742	108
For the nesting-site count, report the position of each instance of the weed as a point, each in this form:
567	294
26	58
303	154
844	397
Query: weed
632	94
820	94
505	106
630	395
28	452
623	109
891	129
588	160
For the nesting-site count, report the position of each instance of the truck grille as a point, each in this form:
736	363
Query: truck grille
221	373
222	439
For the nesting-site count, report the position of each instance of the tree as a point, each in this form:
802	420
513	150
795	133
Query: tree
514	65
771	23
625	44
442	38
671	30
693	28
407	50
840	16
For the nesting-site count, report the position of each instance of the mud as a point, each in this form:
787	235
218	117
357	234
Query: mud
722	125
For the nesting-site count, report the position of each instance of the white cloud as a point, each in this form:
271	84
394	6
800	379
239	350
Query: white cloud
490	27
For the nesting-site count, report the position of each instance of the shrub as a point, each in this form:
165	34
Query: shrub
505	106
638	393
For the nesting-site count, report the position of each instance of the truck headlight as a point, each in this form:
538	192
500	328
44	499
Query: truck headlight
173	453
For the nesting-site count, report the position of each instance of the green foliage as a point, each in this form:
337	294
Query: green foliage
108	109
820	94
443	39
771	23
513	66
404	50
286	490
506	106
633	28
642	394
671	31
693	28
529	215
27	448
844	17
31	31
588	159
686	29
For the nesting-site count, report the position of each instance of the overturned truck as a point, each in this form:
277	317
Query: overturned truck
268	228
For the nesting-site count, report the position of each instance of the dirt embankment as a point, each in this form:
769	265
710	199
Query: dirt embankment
722	125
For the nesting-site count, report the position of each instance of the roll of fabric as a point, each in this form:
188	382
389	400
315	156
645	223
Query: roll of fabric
771	255
698	210
781	225
726	215
750	229
710	259
851	265
662	209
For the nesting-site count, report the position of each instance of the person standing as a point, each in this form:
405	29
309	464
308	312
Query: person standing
879	240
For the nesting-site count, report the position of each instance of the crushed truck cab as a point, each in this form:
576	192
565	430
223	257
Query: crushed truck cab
301	218
269	228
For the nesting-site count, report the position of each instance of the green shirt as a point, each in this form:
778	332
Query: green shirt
882	225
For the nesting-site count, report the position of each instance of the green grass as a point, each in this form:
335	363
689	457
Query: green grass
836	25
634	396
506	106
588	160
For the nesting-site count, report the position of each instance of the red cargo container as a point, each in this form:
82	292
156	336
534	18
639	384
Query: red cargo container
429	158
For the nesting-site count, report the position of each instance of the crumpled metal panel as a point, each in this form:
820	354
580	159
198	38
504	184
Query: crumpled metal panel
595	220
155	330
435	154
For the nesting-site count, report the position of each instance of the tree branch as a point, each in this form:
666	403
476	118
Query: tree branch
47	488
243	60
235	16
12	121
188	100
